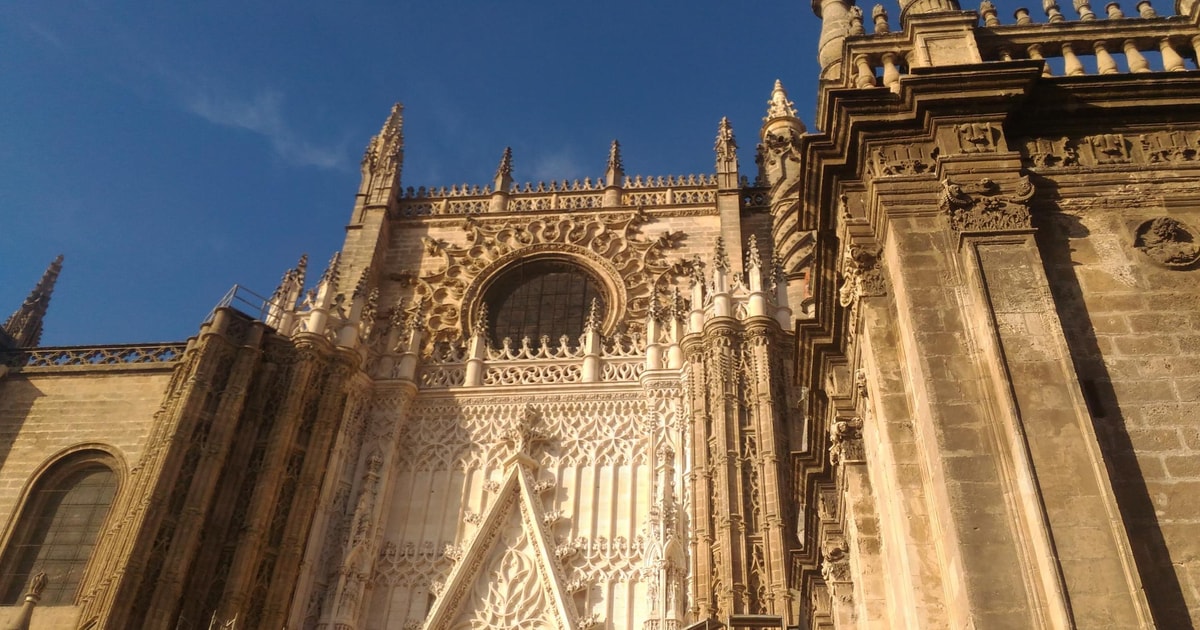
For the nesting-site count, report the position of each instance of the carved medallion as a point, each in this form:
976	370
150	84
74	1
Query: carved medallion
1167	242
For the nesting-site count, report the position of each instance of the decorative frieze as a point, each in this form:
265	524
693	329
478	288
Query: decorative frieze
1109	149
983	206
902	159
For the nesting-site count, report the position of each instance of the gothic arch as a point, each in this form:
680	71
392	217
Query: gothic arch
85	480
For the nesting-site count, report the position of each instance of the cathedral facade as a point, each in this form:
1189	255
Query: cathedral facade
930	364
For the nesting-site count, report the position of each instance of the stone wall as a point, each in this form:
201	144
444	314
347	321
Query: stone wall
1131	323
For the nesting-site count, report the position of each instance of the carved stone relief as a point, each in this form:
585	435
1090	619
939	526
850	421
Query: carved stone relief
1168	242
981	206
1161	147
902	159
634	268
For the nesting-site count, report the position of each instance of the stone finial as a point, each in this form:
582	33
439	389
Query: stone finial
32	597
879	16
1084	9
753	258
503	180
592	323
1114	11
720	256
616	169
1145	10
331	273
24	327
1053	13
856	22
360	289
779	106
1022	15
987	10
726	148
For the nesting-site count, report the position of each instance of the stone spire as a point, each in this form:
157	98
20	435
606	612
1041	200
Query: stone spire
616	170
24	327
383	158
504	180
779	138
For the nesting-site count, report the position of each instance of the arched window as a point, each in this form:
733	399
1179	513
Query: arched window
541	297
58	529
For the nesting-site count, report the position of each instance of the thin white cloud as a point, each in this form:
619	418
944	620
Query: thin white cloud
557	167
262	114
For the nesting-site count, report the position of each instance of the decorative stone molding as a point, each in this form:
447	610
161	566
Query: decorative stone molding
901	159
861	275
835	564
633	269
1167	242
980	206
1157	148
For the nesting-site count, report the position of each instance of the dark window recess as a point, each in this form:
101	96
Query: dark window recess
536	298
57	534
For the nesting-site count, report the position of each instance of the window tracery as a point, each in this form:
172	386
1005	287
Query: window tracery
58	528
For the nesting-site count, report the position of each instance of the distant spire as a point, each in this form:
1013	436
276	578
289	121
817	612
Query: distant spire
779	106
24	327
616	170
504	179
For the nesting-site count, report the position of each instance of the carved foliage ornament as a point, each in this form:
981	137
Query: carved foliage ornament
861	275
1168	242
980	206
609	242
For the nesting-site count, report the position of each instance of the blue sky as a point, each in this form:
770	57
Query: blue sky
170	150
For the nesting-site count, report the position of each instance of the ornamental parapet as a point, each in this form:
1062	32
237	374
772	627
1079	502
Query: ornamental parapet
163	355
1108	42
670	190
622	358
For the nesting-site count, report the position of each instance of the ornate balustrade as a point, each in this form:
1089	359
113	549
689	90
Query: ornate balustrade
124	356
586	195
1110	43
622	359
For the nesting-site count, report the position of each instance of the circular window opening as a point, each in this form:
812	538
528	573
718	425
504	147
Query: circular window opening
542	298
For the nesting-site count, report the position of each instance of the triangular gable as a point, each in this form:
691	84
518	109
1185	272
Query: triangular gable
508	574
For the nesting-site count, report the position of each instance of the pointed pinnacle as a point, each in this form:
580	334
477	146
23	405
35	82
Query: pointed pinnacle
25	324
592	323
505	168
360	289
779	106
721	256
331	272
753	259
725	139
481	322
614	157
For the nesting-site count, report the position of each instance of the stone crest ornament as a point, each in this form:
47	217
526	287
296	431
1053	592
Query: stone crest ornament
861	275
983	206
1167	242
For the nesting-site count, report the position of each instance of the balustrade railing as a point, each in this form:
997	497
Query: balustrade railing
1105	43
622	358
668	190
94	356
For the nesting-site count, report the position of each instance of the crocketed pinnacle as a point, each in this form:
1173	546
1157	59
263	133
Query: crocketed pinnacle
615	170
721	256
503	180
779	106
726	145
24	327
